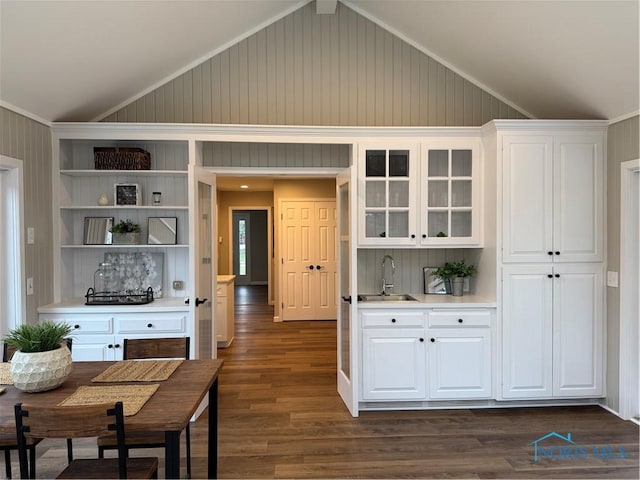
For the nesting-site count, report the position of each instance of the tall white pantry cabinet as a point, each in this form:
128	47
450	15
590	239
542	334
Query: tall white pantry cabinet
550	244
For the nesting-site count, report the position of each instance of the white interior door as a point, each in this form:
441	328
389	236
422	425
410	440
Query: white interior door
202	256
309	260
346	331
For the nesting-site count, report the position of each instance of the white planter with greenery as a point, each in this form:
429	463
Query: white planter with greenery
43	360
125	232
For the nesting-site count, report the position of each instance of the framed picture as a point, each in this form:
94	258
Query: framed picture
127	194
97	230
434	285
162	230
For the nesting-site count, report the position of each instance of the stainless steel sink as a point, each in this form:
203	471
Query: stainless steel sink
392	297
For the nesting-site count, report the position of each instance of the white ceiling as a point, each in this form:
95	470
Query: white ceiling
76	60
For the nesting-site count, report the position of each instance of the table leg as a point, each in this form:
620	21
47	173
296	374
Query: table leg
172	454
213	431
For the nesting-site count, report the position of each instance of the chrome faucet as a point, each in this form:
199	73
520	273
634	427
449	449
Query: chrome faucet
385	285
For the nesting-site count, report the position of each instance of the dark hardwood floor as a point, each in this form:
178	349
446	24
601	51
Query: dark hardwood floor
280	417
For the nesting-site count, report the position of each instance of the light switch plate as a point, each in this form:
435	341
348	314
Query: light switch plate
612	279
178	285
31	235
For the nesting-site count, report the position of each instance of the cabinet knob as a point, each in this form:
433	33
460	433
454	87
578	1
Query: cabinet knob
549	276
413	236
422	339
393	320
557	275
460	320
433	340
557	253
76	326
110	345
424	235
549	253
149	325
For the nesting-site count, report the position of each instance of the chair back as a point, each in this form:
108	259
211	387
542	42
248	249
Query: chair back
33	421
9	350
140	348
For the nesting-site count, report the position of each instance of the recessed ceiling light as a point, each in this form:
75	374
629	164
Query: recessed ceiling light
244	186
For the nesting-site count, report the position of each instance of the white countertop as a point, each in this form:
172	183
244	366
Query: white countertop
76	305
434	301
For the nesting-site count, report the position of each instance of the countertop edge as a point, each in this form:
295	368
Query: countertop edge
76	305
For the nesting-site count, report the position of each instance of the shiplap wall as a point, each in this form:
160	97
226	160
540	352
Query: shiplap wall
623	144
308	69
30	141
242	154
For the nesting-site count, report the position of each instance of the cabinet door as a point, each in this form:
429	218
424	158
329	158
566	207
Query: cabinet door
393	364
91	348
527	201
526	331
577	330
387	196
578	198
221	319
450	193
459	363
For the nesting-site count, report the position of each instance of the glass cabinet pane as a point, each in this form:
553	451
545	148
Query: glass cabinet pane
438	163
461	163
461	193
375	194
376	163
438	193
438	224
461	224
399	224
398	163
398	193
375	224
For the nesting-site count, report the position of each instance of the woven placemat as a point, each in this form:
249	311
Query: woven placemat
5	374
138	371
133	397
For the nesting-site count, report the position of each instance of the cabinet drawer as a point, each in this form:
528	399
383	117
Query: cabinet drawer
83	324
151	323
384	319
463	318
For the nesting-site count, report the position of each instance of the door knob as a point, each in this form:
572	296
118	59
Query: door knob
310	267
318	267
200	302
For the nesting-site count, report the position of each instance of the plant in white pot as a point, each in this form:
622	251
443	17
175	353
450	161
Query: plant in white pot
42	360
126	232
455	273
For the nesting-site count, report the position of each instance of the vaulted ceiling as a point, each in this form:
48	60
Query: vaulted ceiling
76	60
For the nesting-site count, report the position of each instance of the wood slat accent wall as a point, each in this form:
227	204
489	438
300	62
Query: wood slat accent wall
30	141
308	69
623	144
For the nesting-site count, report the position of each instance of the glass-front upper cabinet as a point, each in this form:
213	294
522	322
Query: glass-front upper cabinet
388	195
450	193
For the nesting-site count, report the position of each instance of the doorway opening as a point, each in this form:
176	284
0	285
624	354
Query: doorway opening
12	300
629	375
249	250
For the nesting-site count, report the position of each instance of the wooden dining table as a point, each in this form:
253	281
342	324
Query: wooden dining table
169	409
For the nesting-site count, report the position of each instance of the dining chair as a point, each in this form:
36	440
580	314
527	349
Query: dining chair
149	348
81	421
9	442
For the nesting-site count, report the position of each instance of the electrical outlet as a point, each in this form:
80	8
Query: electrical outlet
612	279
30	286
178	285
31	235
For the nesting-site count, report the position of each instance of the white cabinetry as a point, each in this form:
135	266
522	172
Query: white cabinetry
406	358
459	361
421	195
100	336
553	198
225	307
393	356
552	331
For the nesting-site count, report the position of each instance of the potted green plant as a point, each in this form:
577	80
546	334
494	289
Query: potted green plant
42	360
126	232
455	273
